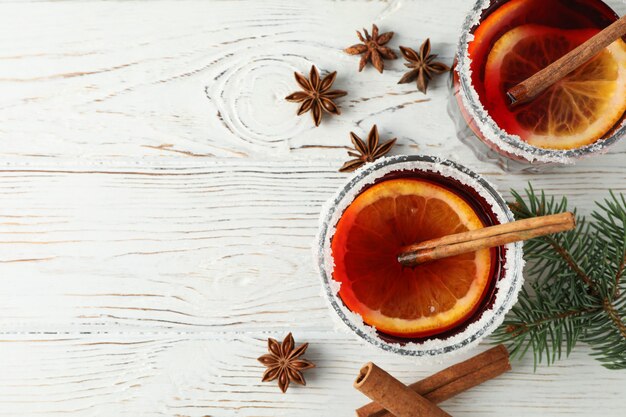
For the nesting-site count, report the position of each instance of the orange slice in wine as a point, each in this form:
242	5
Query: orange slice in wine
402	301
577	110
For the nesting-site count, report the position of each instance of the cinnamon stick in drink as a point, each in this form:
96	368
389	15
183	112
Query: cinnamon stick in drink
393	395
534	85
487	237
452	380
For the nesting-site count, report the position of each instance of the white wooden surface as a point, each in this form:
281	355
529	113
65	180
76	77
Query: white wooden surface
152	238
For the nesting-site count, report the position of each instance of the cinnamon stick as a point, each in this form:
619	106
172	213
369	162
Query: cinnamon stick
532	86
452	380
486	237
469	381
393	395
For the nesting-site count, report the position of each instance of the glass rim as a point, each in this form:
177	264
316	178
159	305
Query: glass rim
506	142
470	336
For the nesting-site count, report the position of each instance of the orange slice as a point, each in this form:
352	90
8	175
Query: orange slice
409	302
577	110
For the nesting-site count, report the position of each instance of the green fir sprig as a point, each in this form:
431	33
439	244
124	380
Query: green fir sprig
575	287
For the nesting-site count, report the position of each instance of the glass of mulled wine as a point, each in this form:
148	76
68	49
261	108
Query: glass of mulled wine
503	42
433	308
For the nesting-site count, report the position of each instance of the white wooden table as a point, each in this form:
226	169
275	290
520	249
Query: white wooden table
152	238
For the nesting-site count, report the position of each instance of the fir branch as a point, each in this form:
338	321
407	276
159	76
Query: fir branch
519	329
567	257
575	285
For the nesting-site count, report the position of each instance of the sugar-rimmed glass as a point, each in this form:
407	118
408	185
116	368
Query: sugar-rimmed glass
506	285
479	131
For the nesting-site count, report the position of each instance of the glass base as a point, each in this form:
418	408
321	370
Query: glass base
483	151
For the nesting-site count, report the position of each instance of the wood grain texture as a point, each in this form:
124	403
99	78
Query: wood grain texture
159	200
184	246
123	79
217	375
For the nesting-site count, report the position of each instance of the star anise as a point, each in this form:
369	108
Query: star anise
366	152
372	48
316	94
283	362
423	64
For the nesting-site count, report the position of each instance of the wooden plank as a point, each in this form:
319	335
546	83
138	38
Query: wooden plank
218	375
122	79
93	79
220	245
